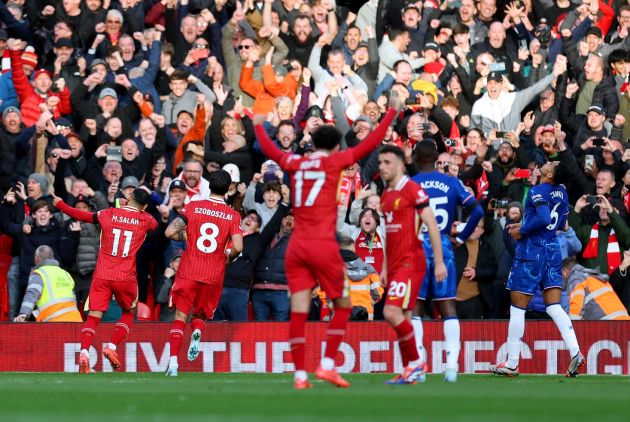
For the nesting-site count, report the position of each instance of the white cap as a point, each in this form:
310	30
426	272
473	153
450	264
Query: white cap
234	172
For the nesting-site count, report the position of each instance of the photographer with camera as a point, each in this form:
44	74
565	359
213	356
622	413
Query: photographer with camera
591	124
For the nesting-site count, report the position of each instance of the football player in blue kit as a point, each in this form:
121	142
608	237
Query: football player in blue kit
538	262
445	194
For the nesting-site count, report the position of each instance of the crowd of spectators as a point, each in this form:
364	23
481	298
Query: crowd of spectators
99	97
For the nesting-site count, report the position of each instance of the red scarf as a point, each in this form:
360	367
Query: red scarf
346	189
482	186
591	251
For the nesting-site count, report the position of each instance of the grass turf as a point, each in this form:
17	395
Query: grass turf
270	397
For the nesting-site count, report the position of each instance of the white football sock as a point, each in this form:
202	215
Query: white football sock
300	375
327	364
563	322
451	337
516	329
172	361
419	333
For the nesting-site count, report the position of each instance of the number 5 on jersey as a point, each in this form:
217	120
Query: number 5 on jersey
304	175
441	215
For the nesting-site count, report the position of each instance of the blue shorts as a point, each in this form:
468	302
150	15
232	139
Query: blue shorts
439	290
526	276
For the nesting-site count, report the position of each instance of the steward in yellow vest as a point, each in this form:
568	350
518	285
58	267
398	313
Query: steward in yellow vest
51	289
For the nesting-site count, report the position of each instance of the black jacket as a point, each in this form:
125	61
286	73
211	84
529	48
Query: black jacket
485	270
621	285
270	267
239	273
62	241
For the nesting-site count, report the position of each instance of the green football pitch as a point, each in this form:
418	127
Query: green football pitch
264	397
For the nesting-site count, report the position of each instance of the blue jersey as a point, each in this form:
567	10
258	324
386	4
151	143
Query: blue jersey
445	193
546	210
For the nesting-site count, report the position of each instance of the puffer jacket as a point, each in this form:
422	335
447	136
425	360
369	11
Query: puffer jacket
89	245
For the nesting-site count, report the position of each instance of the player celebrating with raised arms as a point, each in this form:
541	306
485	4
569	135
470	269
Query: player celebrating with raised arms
313	253
405	263
123	231
538	262
446	192
207	225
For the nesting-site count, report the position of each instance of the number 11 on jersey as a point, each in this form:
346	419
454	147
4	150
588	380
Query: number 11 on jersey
127	234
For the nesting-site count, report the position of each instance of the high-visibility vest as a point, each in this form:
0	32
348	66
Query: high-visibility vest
360	293
594	299
57	302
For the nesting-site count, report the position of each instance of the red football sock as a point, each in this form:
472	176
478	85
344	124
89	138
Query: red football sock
123	326
176	336
336	331
88	331
297	326
406	342
198	324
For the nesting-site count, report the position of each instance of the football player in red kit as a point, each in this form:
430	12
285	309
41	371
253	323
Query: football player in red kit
405	265
208	226
123	231
313	253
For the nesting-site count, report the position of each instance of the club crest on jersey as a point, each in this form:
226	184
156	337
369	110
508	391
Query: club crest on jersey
396	204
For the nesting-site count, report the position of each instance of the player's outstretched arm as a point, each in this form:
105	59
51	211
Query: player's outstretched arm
540	220
368	144
266	144
428	218
176	230
475	214
237	245
80	215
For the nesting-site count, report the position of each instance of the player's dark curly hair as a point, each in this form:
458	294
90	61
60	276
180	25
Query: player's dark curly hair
140	196
220	181
326	137
426	153
561	174
392	149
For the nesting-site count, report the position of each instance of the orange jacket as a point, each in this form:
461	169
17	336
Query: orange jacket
196	133
263	101
287	87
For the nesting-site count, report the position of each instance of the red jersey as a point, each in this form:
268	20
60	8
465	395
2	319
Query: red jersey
123	231
315	180
369	247
400	207
210	224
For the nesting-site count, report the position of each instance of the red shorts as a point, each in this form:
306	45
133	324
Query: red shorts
311	261
101	291
403	286
201	298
